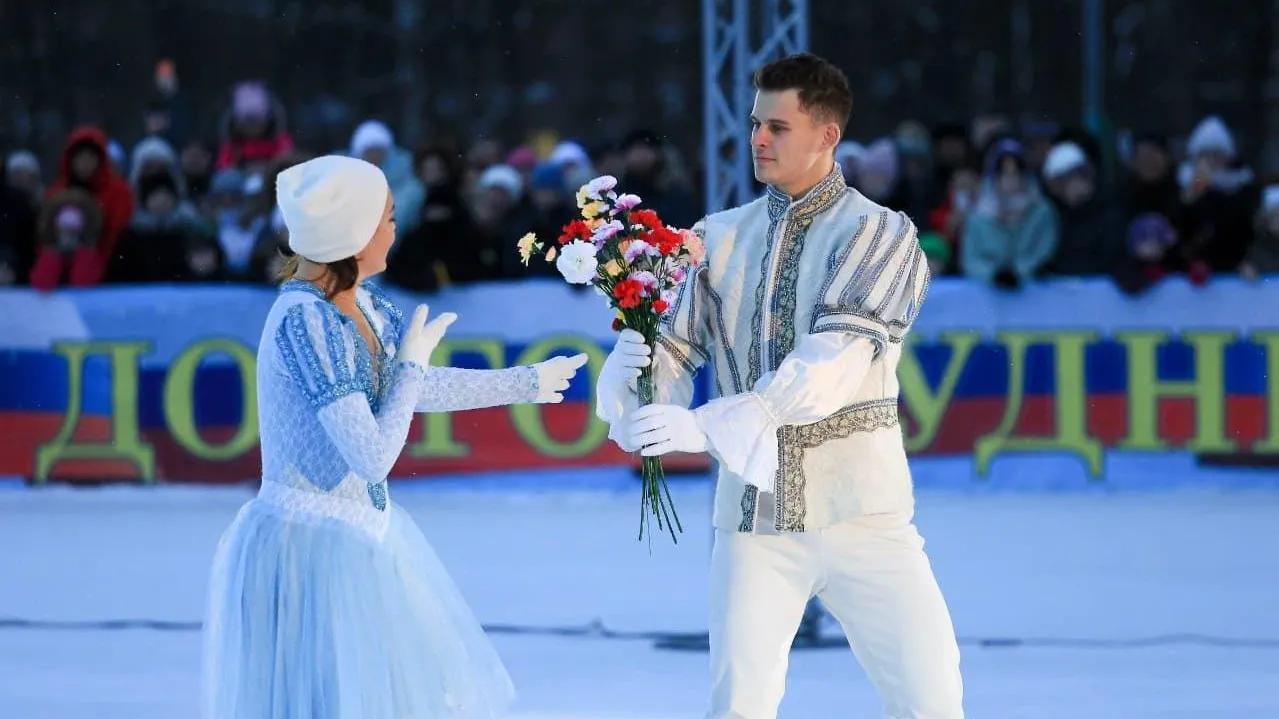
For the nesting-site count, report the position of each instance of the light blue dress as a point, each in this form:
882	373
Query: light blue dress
326	602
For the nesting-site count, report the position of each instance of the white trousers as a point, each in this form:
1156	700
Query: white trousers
873	577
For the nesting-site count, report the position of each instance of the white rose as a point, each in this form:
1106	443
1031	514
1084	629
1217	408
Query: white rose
577	262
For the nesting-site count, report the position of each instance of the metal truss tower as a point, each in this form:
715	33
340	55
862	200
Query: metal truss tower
737	37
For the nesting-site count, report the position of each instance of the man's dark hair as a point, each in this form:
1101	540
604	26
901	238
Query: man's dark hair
823	88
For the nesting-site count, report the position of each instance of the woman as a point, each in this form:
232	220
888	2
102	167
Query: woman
1012	233
326	602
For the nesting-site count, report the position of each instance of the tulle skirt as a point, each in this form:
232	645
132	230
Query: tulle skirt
312	618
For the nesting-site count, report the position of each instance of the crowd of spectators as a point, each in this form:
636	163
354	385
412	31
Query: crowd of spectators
997	203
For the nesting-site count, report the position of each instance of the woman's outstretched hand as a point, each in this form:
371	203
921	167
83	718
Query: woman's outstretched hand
553	376
422	337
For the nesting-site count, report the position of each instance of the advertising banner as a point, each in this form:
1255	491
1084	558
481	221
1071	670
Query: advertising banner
147	384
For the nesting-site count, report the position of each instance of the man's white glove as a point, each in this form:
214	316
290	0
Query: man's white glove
421	337
622	367
661	428
553	376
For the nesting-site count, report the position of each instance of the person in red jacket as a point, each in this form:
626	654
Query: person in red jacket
255	132
84	167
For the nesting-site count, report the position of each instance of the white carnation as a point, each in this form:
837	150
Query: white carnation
577	262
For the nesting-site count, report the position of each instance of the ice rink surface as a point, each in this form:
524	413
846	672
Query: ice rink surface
1069	605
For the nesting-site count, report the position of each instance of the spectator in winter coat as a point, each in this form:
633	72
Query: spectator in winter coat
1219	198
1263	256
373	142
1147	257
1011	234
69	237
166	241
255	133
1091	224
84	166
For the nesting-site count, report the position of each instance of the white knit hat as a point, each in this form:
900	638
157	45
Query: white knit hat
1270	198
1063	158
332	205
371	134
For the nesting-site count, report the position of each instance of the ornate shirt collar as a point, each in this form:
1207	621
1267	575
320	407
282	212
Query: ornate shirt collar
813	202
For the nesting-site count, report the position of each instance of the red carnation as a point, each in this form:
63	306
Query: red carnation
665	240
628	293
647	218
660	306
575	230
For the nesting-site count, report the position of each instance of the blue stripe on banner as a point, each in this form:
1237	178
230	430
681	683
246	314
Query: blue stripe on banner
36	381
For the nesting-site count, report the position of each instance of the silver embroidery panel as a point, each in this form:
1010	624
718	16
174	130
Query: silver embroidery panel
793	442
784	302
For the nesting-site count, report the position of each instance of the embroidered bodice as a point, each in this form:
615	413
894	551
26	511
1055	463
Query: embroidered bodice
334	413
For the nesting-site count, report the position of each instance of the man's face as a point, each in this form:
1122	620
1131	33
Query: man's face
788	145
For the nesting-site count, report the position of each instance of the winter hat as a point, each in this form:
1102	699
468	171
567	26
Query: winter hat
369	135
522	158
250	100
1270	198
1211	134
503	177
570	153
548	176
1151	226
22	160
1006	147
331	205
848	154
880	156
1063	158
152	149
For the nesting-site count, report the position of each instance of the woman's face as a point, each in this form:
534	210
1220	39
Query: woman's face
372	259
1009	180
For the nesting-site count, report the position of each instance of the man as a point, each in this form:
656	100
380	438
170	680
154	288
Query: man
800	309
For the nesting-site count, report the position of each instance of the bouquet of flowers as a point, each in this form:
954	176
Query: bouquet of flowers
637	262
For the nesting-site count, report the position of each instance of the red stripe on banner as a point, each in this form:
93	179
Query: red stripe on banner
562	435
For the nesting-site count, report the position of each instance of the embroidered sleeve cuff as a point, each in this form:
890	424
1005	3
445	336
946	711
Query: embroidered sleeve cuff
741	432
852	321
413	371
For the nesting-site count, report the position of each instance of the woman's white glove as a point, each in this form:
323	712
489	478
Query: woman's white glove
421	338
553	376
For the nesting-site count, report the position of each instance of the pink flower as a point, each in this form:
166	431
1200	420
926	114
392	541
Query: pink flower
607	231
637	248
645	278
595	189
694	246
677	274
627	202
668	296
